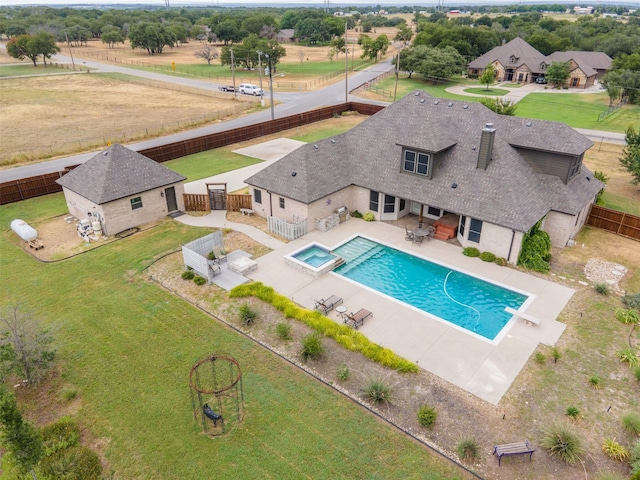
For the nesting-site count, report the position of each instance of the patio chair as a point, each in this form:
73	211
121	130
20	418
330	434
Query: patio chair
357	319
325	306
220	255
408	235
215	269
418	239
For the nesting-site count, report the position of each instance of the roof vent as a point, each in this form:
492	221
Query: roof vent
450	104
293	174
417	93
454	185
105	153
316	147
333	141
465	106
588	179
422	100
436	102
528	124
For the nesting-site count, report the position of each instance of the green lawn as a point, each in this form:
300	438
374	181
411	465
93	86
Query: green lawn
494	92
208	163
27	69
127	346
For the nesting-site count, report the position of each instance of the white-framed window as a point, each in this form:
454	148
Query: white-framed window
416	162
257	196
136	203
389	204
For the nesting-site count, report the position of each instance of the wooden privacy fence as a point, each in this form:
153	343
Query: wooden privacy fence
290	231
620	223
237	201
195	202
17	190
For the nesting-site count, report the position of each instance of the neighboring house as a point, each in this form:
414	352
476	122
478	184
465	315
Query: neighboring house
518	62
493	176
286	35
122	189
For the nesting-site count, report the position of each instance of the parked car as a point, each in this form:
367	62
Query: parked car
227	88
541	80
250	89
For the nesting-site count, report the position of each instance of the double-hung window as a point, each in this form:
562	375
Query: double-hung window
257	196
416	162
136	203
475	229
374	199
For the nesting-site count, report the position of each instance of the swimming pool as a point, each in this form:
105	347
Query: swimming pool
463	300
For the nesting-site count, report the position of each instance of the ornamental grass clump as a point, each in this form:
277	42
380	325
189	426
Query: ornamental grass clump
631	422
628	355
602	288
283	330
596	382
560	441
247	314
312	346
427	415
572	412
377	391
467	448
613	449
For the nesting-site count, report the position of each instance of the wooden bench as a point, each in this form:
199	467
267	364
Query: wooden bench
518	448
524	316
246	211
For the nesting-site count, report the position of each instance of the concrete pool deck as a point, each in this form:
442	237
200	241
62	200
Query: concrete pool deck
482	367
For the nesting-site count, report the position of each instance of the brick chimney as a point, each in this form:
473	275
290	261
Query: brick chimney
486	146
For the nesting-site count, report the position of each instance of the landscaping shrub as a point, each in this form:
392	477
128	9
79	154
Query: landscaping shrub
188	275
377	391
471	252
595	382
572	412
211	256
604	179
343	334
602	288
540	358
198	280
427	415
72	463
628	355
467	448
614	450
631	422
631	300
487	257
312	346
356	214
59	435
342	371
536	250
368	217
283	330
634	455
636	373
563	443
69	394
247	314
500	261
628	316
555	353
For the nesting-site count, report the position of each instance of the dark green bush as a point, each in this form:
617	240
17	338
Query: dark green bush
198	280
602	288
561	442
188	275
487	257
211	256
283	330
75	463
342	371
356	214
631	300
540	358
572	412
471	252
604	179
60	435
312	346
247	314
500	261
536	250
467	448
427	415
377	391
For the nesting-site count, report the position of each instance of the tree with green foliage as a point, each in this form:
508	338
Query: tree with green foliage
372	49
501	106
25	347
20	439
153	37
111	35
337	46
631	159
441	64
32	46
228	32
536	249
558	73
312	31
245	54
488	75
404	33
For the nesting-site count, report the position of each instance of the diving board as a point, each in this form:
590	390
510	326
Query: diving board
524	316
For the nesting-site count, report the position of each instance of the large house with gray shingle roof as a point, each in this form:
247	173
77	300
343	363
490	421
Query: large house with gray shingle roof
518	62
122	189
495	176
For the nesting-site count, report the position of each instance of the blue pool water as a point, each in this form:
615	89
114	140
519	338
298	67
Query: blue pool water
314	256
463	300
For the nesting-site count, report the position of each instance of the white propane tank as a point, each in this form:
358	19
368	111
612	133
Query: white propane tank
25	231
97	228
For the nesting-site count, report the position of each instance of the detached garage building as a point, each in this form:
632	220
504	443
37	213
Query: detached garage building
122	189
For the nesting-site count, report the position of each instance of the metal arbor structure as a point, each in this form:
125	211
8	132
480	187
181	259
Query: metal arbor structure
217	396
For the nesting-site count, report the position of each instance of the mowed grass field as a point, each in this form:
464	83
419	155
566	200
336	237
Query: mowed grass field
126	345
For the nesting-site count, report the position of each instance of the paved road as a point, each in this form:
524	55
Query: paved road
290	104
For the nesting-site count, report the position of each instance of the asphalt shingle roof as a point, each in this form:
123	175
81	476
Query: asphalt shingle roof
525	55
508	193
117	172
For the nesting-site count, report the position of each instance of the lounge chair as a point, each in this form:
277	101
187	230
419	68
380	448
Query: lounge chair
220	255
357	319
325	306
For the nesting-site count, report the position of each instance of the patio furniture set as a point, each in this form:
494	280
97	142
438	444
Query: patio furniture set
418	234
355	320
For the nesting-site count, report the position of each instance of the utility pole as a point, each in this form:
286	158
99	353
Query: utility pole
270	84
233	75
70	52
395	90
259	52
346	66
